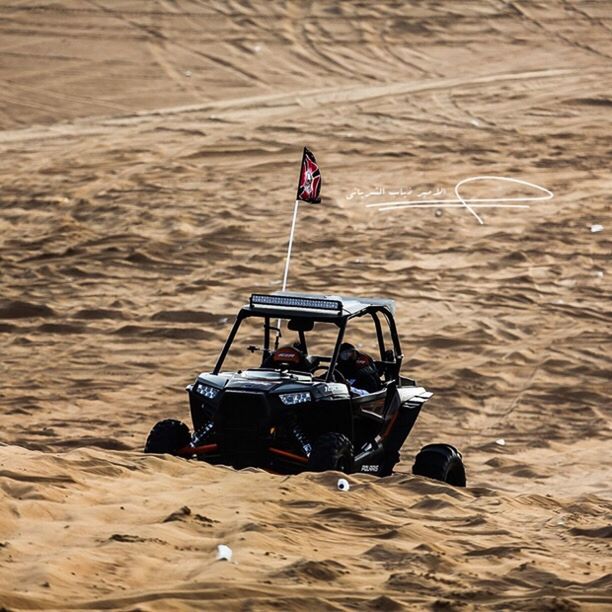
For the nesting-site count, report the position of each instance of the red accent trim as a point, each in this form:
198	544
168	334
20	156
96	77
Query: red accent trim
199	450
390	426
289	455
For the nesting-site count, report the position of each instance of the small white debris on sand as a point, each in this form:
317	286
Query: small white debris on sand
343	484
224	553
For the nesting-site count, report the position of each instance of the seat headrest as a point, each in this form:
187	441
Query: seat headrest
363	360
288	354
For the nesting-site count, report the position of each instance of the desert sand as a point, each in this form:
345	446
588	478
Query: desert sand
150	152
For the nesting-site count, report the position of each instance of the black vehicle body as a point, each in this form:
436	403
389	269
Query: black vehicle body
274	417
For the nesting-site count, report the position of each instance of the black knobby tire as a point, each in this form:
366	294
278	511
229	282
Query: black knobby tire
440	462
331	451
167	437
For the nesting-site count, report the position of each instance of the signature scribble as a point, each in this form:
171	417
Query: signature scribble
471	204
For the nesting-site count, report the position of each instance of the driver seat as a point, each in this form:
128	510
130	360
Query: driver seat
364	372
288	358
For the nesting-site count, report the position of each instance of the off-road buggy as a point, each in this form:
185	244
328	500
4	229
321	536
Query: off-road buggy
295	410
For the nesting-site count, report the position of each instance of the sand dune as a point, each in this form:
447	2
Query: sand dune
122	530
149	158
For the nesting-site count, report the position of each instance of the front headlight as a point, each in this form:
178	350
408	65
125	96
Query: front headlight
289	399
206	391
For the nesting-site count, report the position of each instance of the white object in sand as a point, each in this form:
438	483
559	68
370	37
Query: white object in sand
500	441
224	553
597	228
343	484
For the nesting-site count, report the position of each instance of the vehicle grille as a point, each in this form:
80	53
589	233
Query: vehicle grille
242	425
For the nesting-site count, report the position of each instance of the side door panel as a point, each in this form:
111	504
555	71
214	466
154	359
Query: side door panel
370	406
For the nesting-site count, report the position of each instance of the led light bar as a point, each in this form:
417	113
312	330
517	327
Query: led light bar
291	301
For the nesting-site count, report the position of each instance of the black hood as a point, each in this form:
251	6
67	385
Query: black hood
261	380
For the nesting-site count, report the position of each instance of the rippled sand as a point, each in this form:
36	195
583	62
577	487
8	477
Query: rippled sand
149	160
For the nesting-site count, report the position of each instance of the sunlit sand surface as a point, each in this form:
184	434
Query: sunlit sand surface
150	154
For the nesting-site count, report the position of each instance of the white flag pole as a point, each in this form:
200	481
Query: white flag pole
310	185
285	276
291	234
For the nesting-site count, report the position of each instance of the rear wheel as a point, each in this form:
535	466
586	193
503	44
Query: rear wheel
440	462
168	437
331	451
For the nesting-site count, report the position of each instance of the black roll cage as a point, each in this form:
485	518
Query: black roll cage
340	321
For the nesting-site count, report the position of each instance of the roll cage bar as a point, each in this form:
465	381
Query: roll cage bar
375	311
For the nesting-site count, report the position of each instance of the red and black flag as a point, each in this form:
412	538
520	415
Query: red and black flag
309	185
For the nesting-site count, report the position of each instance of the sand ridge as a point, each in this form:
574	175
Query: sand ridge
149	158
